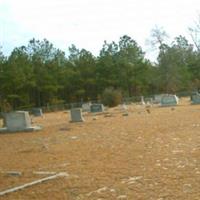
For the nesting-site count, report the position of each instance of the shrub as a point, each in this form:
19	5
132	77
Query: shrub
111	97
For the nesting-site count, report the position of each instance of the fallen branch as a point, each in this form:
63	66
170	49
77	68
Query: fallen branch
44	173
32	183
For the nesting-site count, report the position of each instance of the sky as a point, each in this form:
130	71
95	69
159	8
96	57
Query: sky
88	23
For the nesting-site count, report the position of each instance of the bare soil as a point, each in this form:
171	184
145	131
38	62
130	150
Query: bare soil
147	155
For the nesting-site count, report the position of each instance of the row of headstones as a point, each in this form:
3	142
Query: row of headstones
172	100
21	121
163	100
76	113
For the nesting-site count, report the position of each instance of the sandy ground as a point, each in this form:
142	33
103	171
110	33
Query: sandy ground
142	156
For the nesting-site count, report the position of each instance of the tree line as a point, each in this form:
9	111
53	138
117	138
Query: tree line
39	74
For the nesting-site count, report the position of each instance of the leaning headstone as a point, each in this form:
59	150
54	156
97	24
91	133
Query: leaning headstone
18	121
169	100
37	112
195	98
97	108
76	115
86	107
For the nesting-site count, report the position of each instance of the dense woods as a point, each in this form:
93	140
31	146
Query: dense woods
39	74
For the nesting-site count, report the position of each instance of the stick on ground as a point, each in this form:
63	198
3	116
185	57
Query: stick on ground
32	183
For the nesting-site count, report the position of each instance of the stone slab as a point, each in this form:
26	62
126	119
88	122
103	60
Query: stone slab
76	115
18	121
195	98
169	100
97	108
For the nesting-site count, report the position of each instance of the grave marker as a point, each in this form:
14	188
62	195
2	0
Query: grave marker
37	112
142	100
18	121
169	100
76	115
96	108
86	107
158	97
195	98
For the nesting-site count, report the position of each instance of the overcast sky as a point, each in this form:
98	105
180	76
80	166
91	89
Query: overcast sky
87	23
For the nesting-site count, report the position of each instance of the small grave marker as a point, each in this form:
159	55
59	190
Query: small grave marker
37	112
142	100
96	108
86	107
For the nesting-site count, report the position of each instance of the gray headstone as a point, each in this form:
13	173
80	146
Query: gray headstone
18	121
97	108
76	115
195	98
158	98
37	112
169	100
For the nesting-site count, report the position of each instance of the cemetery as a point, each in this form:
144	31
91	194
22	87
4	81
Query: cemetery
151	153
98	103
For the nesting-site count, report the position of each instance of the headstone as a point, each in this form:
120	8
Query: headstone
86	107
37	112
142	100
96	108
149	101
18	121
76	115
195	98
157	98
124	107
169	100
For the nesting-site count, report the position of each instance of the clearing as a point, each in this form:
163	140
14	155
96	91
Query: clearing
152	155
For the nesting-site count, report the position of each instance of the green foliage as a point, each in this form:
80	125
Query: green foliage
174	65
39	74
56	101
111	97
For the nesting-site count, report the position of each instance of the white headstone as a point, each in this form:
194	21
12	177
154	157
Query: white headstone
76	115
124	107
86	107
142	100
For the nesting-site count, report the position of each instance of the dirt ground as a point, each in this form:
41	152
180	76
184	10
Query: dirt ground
151	155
